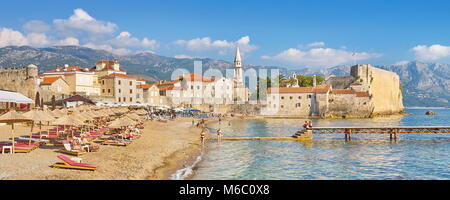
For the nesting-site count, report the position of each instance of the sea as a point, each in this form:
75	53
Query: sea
327	157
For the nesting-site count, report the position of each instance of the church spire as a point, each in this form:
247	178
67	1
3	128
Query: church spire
237	58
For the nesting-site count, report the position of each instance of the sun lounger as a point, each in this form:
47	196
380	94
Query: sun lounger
116	143
70	164
68	150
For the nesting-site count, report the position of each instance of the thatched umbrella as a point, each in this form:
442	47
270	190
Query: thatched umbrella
133	116
13	117
68	120
36	116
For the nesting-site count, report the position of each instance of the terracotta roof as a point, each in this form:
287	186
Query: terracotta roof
343	91
171	88
168	82
69	69
317	89
196	77
78	98
362	94
123	76
49	80
145	86
109	65
346	91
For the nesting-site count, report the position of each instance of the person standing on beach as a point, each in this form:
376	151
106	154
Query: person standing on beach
310	124
219	134
203	136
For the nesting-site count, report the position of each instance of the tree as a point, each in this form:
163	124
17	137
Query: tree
307	81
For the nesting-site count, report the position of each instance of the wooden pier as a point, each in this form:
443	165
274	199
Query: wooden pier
393	132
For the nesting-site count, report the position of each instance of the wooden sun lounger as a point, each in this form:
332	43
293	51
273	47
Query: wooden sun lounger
73	153
116	143
70	164
68	150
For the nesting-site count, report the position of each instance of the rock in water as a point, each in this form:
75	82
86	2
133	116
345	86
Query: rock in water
430	113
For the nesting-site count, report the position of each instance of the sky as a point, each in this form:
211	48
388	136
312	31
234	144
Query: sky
292	34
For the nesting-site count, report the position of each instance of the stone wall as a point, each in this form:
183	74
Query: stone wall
21	80
348	106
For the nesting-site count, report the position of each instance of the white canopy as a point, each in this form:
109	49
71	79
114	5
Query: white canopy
7	96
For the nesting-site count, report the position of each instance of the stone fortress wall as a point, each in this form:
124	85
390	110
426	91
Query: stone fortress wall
21	80
384	88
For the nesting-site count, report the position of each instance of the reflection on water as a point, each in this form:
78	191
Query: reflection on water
415	156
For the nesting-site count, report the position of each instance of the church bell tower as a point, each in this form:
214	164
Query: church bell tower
238	67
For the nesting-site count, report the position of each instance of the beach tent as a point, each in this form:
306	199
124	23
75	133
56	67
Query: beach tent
13	117
7	96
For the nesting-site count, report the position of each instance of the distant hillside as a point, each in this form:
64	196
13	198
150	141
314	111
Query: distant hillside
424	84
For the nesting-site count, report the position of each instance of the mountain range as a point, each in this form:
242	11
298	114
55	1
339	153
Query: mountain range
424	84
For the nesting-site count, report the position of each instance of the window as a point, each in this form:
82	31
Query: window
109	90
282	97
131	91
131	99
198	87
297	105
103	82
192	87
119	82
131	82
103	90
124	99
120	90
299	97
309	96
290	97
119	99
282	106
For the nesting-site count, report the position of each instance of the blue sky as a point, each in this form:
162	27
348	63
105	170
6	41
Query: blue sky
287	33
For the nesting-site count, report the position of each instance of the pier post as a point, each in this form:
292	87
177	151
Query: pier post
350	135
395	134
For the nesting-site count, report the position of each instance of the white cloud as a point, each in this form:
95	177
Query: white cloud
10	37
69	41
38	39
82	21
319	57
433	52
109	48
124	39
222	46
316	44
36	26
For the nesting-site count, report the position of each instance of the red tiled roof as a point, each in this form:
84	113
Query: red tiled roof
171	88
124	76
317	89
69	69
196	77
343	91
362	94
346	91
49	80
145	86
109	65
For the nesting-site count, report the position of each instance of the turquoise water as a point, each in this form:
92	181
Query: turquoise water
413	156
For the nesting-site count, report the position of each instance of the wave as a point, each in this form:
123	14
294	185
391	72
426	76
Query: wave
186	172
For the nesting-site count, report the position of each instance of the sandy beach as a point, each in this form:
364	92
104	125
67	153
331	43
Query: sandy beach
162	149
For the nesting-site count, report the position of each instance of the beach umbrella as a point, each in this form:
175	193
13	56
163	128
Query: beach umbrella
13	117
36	116
133	116
68	120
